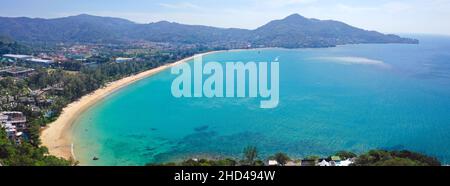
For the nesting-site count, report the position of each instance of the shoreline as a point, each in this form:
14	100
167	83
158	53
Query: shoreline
57	136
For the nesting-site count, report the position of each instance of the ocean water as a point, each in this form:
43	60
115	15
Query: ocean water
353	97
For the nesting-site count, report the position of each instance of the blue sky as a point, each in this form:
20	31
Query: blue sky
390	16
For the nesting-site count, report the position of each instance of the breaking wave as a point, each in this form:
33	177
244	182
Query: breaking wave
353	61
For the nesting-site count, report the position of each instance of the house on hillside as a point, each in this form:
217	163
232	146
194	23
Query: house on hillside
14	124
18	72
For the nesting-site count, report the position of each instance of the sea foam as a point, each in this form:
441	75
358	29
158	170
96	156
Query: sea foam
352	60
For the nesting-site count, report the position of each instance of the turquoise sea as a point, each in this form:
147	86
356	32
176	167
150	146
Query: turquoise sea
352	97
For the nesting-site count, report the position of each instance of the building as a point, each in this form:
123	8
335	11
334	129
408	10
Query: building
12	133
28	58
272	163
308	163
17	57
14	124
323	163
45	62
17	119
345	163
15	71
123	59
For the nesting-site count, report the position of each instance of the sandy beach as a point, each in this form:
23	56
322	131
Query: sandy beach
57	137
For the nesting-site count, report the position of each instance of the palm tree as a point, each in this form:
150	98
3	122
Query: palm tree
282	158
250	155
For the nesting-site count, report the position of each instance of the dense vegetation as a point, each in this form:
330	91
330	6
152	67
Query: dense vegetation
297	31
8	46
371	158
294	31
395	158
26	154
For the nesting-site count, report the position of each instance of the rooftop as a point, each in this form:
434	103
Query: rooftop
37	60
16	70
273	162
13	117
17	56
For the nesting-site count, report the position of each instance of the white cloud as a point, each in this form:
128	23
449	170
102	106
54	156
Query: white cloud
290	2
181	5
397	7
354	9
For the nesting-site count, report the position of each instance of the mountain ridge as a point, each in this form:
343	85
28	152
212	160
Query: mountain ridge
294	31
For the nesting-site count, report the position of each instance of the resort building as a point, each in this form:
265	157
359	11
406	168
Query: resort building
17	119
14	124
17	57
12	133
123	59
18	72
28	58
45	62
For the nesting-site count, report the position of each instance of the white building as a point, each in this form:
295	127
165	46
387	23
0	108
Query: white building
41	61
18	57
272	163
123	59
13	123
344	163
324	163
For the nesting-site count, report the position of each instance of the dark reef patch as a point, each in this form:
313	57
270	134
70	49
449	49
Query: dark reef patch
201	128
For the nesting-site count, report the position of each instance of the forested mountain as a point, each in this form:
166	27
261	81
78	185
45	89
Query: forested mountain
81	28
295	31
8	46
